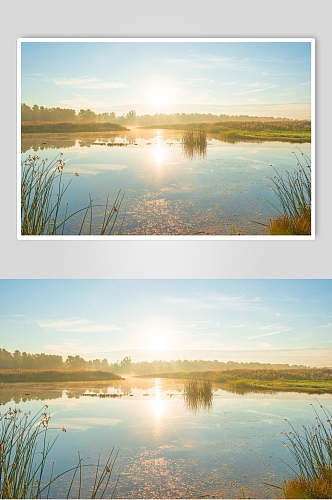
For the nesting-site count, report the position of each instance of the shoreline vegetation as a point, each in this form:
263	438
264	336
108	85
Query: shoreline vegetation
311	447
68	127
230	131
25	467
44	210
235	131
310	380
294	193
21	376
230	128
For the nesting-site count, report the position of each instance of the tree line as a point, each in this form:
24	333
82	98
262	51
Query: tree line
37	113
18	360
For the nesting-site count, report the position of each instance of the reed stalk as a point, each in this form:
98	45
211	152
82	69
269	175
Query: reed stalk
25	447
43	208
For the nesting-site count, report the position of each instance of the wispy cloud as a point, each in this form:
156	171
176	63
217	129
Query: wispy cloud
236	302
268	333
78	325
255	87
88	83
196	61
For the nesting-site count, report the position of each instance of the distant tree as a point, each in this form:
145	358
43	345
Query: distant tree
125	363
130	117
75	363
86	115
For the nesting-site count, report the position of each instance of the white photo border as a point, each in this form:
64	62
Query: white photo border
310	40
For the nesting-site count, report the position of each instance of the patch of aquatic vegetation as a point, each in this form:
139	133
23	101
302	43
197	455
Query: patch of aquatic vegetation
198	394
311	450
194	143
293	191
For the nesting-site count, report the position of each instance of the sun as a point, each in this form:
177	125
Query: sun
158	98
158	342
155	335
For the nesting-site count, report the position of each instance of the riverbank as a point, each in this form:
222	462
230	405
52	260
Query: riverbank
236	131
18	376
57	127
313	381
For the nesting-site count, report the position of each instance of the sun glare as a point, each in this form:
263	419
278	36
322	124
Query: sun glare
158	150
158	342
159	97
156	335
157	401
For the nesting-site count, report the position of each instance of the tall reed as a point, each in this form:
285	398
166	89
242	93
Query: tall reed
43	211
294	193
25	447
198	394
194	142
312	450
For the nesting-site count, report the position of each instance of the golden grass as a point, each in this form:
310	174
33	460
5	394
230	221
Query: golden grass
292	226
302	487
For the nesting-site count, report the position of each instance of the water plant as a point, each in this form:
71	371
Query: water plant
293	191
25	468
312	450
194	142
198	394
43	211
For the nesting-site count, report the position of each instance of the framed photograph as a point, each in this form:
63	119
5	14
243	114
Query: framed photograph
170	388
166	138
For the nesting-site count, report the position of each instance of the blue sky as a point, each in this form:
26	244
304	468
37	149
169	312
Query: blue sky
271	79
264	320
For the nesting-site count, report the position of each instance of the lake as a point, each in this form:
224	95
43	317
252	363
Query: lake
170	189
170	445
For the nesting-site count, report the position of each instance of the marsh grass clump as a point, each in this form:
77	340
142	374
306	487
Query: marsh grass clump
311	448
25	467
198	394
43	211
294	193
194	142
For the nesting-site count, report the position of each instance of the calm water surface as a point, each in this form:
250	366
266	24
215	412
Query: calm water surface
168	446
225	189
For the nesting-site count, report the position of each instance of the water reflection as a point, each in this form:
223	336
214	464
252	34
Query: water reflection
198	395
40	142
173	185
157	402
171	445
158	151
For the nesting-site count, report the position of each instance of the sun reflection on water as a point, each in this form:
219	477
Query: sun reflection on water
158	150
158	404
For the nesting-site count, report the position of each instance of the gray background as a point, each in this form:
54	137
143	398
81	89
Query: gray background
168	259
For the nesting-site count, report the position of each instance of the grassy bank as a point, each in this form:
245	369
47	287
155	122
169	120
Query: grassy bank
315	381
10	376
232	131
55	127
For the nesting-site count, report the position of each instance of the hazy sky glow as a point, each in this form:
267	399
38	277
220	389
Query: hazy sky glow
256	320
267	79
